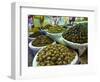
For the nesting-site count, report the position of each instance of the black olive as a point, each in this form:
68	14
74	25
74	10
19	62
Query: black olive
77	33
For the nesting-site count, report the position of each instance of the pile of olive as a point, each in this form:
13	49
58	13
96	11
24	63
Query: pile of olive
46	26
34	34
56	54
56	29
42	40
77	34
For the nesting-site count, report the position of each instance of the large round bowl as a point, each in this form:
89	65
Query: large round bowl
35	49
75	60
80	47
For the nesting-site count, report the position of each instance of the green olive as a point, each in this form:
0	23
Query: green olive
42	40
50	55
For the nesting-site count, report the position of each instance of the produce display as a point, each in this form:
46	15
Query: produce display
57	40
56	54
42	40
77	34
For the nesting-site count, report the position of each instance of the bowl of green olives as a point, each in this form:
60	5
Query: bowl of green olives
55	32
40	42
76	36
45	28
55	54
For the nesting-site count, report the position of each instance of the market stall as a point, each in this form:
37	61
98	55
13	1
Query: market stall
57	40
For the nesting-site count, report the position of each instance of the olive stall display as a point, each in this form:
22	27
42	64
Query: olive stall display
55	54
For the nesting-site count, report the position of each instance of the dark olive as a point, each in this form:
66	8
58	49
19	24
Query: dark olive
77	34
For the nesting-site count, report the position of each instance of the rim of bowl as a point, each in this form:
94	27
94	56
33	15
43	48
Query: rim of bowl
31	38
54	33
